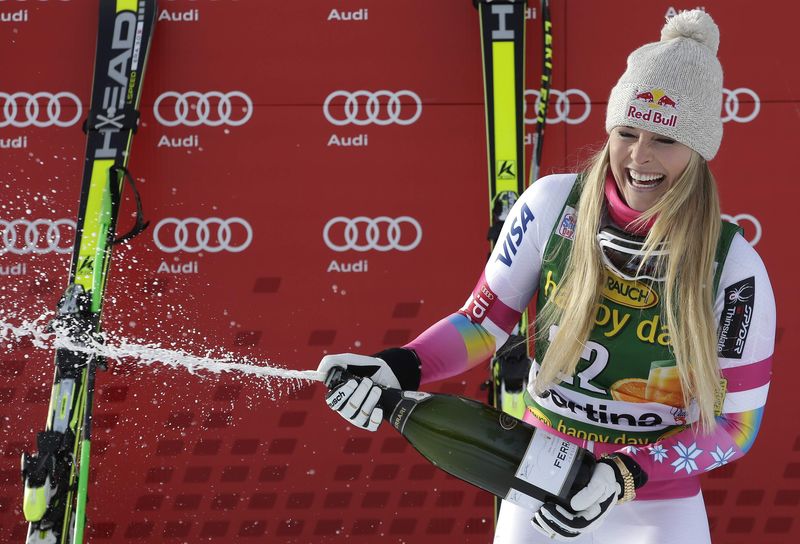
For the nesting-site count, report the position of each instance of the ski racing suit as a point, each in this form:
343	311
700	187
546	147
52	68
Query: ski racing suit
625	395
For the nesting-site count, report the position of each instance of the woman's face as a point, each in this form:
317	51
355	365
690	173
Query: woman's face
645	164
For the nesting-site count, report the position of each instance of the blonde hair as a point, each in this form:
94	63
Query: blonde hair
687	222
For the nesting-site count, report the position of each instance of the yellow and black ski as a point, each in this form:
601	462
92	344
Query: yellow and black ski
56	476
503	53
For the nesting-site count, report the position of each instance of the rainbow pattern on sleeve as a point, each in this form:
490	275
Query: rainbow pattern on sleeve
477	341
744	427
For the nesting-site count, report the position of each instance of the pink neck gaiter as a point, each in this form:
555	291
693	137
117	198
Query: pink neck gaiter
620	212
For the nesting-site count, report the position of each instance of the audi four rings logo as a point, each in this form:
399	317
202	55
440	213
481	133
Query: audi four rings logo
37	236
731	103
367	233
751	233
572	106
372	107
42	109
194	235
212	108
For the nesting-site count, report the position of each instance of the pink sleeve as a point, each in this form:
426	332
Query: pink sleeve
452	346
689	452
466	338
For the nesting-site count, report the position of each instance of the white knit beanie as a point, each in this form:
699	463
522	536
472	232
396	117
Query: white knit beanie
674	87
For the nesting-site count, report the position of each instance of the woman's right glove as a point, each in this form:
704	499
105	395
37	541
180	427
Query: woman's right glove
357	402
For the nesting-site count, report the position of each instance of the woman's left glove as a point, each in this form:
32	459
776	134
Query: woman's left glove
613	481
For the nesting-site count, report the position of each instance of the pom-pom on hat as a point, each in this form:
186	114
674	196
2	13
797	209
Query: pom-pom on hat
674	87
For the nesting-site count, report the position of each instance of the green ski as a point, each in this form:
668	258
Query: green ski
56	476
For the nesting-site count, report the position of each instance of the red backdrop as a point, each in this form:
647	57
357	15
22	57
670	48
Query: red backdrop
245	123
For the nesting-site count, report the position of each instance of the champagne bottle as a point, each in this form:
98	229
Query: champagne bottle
485	447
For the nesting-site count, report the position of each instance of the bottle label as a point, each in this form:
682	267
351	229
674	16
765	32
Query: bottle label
548	462
403	410
521	499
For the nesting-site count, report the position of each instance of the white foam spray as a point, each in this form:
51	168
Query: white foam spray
42	337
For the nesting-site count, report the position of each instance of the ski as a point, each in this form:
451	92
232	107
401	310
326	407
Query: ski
503	56
503	53
55	478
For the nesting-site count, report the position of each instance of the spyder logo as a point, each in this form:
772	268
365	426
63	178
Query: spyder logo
738	294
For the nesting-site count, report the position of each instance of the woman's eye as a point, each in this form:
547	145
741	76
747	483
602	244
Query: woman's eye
666	141
625	135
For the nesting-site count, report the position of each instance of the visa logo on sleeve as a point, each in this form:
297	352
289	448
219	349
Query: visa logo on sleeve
514	236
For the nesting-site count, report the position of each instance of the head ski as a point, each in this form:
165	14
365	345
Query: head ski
55	477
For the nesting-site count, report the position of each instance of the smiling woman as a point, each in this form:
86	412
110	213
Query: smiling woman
655	320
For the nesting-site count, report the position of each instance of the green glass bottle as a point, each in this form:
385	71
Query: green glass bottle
485	447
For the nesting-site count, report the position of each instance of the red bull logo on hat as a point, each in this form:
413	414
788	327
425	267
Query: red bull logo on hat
655	106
